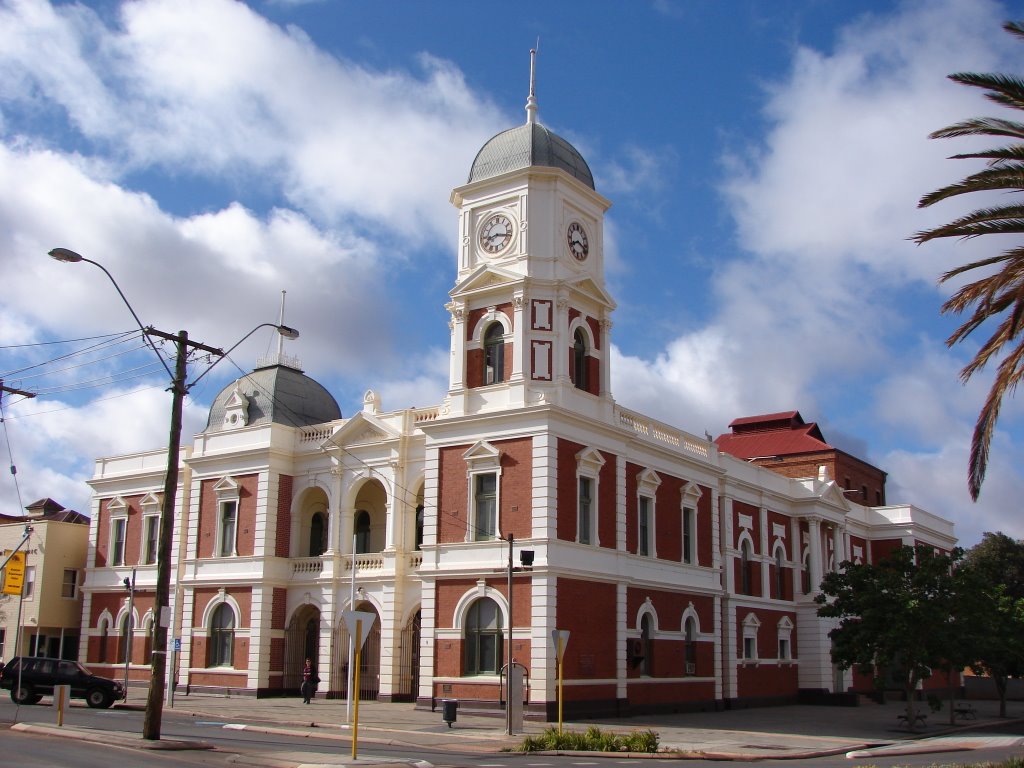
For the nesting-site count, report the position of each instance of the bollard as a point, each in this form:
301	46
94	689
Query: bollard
61	699
448	710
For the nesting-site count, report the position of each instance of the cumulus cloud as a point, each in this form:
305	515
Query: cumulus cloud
823	207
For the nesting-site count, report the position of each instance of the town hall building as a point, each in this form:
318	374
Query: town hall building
684	576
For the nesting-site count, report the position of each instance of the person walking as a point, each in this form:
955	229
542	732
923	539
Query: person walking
308	681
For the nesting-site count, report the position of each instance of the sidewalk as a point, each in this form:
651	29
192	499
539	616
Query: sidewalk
761	733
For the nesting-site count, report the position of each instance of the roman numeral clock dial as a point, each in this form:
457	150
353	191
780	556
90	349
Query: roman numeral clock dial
496	233
576	237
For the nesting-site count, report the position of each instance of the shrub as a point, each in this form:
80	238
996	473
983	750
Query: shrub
591	740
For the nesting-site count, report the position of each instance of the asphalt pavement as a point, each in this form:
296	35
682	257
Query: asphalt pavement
756	733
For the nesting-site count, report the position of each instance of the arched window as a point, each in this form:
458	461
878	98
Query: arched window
419	526
690	639
317	535
780	576
745	565
484	640
579	360
494	354
126	638
222	636
362	532
805	574
104	630
647	663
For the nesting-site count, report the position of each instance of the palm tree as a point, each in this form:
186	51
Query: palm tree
997	296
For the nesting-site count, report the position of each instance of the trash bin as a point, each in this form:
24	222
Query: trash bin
448	709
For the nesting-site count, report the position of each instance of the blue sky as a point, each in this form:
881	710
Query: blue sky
764	160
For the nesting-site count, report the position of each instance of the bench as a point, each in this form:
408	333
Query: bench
965	712
919	719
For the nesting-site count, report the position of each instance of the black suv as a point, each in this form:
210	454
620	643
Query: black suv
28	678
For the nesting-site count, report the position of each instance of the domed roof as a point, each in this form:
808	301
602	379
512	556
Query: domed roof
529	145
275	394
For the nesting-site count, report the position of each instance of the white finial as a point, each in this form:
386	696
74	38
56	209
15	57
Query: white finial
280	338
531	101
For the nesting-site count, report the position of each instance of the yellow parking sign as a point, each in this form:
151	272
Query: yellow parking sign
14	574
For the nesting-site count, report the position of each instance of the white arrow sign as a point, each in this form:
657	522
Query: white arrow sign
359	624
560	639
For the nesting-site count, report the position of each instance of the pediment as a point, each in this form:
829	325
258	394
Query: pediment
481	450
828	492
150	500
484	278
361	429
592	291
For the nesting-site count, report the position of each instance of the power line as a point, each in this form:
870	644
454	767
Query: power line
61	341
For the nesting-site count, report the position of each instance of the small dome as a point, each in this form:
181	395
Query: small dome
529	145
275	394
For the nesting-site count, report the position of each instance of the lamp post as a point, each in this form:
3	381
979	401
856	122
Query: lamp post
179	388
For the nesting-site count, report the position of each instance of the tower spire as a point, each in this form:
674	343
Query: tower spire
531	100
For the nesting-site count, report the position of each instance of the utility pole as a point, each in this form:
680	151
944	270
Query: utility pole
179	388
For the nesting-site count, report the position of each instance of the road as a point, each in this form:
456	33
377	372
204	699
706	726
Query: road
38	751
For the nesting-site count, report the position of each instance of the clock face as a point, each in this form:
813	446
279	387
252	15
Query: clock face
496	233
576	237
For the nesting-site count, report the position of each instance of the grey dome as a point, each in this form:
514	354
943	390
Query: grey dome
529	145
277	394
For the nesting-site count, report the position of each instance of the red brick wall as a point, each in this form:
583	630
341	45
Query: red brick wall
209	512
587	609
669	518
133	532
282	541
706	537
568	494
515	497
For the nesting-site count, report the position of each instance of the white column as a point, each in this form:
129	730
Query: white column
814	523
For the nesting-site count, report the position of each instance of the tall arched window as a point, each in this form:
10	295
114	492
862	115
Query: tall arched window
690	639
745	563
805	574
647	663
317	535
579	360
780	576
419	526
222	636
362	532
494	354
484	639
126	638
104	631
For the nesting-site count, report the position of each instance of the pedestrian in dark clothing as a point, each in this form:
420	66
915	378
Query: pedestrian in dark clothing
309	680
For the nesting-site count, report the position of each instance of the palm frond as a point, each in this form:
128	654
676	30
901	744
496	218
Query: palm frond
1000	177
981	126
1006	381
1006	90
1008	154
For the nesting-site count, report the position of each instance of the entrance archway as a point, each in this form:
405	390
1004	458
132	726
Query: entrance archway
301	641
369	659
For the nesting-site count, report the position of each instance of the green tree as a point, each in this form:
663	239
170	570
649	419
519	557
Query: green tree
996	566
894	616
998	294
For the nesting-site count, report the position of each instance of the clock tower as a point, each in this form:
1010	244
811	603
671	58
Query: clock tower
530	316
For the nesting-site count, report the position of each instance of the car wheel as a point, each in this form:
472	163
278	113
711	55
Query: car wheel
23	695
97	698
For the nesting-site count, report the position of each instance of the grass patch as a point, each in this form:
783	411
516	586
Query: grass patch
591	740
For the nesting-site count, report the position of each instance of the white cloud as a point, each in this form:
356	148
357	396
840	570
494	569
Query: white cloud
824	206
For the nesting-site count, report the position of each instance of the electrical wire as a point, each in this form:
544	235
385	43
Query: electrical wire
122	336
122	353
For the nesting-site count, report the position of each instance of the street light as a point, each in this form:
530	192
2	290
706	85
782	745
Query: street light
179	388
